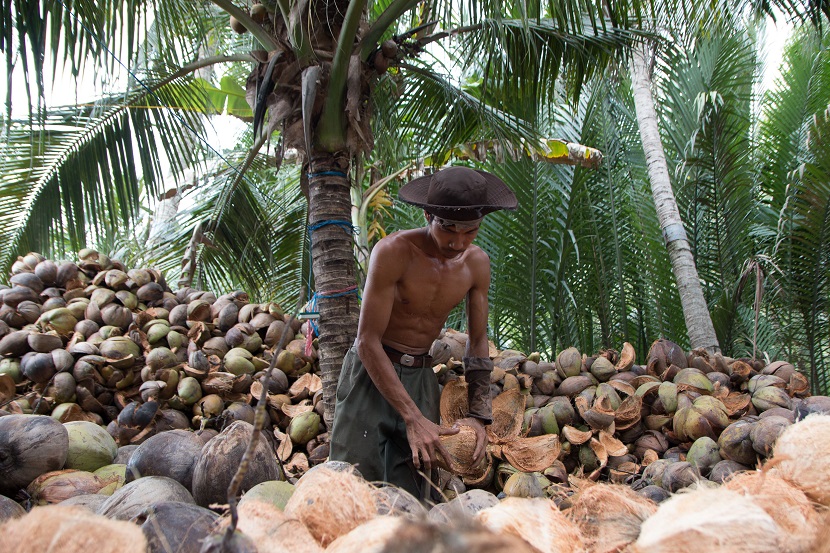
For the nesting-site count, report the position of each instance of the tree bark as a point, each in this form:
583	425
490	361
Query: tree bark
695	311
332	253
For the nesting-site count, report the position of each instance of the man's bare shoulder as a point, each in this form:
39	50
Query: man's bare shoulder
399	242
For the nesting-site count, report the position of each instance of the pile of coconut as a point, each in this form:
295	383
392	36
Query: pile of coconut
779	508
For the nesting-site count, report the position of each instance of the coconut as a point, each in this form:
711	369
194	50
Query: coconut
219	461
382	535
568	363
464	506
715	520
62	529
276	492
609	516
115	475
173	454
725	469
10	509
394	501
374	536
129	500
537	521
30	445
766	431
90	446
787	505
271	530
736	444
704	454
167	523
801	456
91	501
325	519
57	486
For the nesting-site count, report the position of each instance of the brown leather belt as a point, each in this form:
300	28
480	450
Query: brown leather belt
407	359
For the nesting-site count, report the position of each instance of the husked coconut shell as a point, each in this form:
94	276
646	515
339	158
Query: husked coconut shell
30	445
131	499
787	505
532	454
461	447
454	403
72	529
177	524
220	458
716	520
537	521
801	456
173	454
609	516
311	503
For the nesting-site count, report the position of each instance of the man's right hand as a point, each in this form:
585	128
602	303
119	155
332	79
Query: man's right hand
425	442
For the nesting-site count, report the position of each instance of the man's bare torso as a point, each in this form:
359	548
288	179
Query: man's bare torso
427	290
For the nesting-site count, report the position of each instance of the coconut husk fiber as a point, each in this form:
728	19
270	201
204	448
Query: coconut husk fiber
802	456
59	529
609	515
788	506
331	503
402	535
272	530
537	521
714	520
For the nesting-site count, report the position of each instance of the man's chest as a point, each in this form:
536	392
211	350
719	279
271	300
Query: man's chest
429	287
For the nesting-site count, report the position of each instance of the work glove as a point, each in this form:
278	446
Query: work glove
477	375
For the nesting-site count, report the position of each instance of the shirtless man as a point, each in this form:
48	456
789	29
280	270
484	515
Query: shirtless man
387	412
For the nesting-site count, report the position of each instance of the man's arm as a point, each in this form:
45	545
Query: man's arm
477	362
385	270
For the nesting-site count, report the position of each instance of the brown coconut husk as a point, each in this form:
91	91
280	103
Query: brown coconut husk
400	535
373	536
609	516
461	447
788	506
715	520
537	521
454	402
272	530
532	454
331	503
507	420
59	529
802	456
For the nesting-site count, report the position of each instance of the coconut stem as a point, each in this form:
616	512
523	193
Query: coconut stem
259	420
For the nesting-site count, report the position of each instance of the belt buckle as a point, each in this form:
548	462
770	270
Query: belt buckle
407	360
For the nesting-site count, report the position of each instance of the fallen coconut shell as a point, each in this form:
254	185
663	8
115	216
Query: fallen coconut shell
30	445
736	443
766	431
173	522
704	454
221	457
56	486
723	470
130	500
172	454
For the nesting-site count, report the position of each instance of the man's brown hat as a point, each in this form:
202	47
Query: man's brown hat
459	193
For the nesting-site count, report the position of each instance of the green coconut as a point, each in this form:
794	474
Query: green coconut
115	475
90	446
276	492
304	427
704	454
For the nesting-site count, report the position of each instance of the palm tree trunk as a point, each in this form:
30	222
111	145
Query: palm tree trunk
695	311
332	254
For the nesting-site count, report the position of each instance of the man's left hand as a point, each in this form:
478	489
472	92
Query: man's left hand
481	436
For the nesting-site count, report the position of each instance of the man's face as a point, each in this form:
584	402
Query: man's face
453	237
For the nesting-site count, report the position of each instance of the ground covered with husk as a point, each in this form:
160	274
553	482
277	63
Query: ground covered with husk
126	409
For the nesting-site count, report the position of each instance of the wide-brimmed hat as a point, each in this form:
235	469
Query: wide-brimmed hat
459	193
